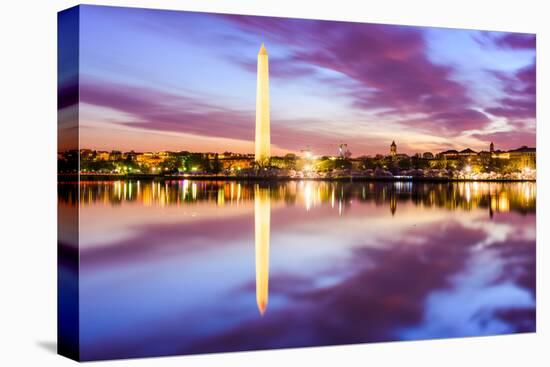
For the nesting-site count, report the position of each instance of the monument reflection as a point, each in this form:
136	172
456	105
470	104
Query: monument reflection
262	208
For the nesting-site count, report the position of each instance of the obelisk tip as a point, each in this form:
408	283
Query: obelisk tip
262	306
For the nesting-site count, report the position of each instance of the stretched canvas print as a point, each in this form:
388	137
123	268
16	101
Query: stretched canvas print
235	183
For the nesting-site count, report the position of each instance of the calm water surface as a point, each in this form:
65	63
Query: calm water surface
183	266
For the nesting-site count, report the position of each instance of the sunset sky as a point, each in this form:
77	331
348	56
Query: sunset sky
171	80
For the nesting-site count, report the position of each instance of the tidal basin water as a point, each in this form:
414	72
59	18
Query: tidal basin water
181	267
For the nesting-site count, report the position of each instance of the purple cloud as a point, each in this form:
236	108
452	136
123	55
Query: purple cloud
517	41
464	119
520	91
519	87
388	65
514	41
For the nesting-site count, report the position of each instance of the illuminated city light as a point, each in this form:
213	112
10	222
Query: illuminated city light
518	164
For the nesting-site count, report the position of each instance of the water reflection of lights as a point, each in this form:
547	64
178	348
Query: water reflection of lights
185	189
194	191
528	192
500	203
402	186
393	203
307	195
498	197
238	193
503	202
221	196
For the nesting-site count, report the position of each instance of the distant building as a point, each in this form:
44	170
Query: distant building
131	156
393	149
150	158
527	156
449	154
86	153
467	153
485	154
211	155
102	155
500	154
496	154
166	154
115	155
523	157
236	163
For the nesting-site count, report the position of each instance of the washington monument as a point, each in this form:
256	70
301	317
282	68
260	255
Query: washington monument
262	145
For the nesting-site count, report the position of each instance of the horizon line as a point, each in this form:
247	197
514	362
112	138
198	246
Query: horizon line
228	151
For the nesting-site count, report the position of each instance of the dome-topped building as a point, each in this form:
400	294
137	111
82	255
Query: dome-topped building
393	149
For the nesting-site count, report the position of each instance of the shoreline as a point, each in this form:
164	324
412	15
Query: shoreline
67	178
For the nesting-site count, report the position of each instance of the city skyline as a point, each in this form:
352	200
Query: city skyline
430	89
391	150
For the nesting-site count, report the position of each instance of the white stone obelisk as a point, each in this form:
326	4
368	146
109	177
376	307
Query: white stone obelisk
262	146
